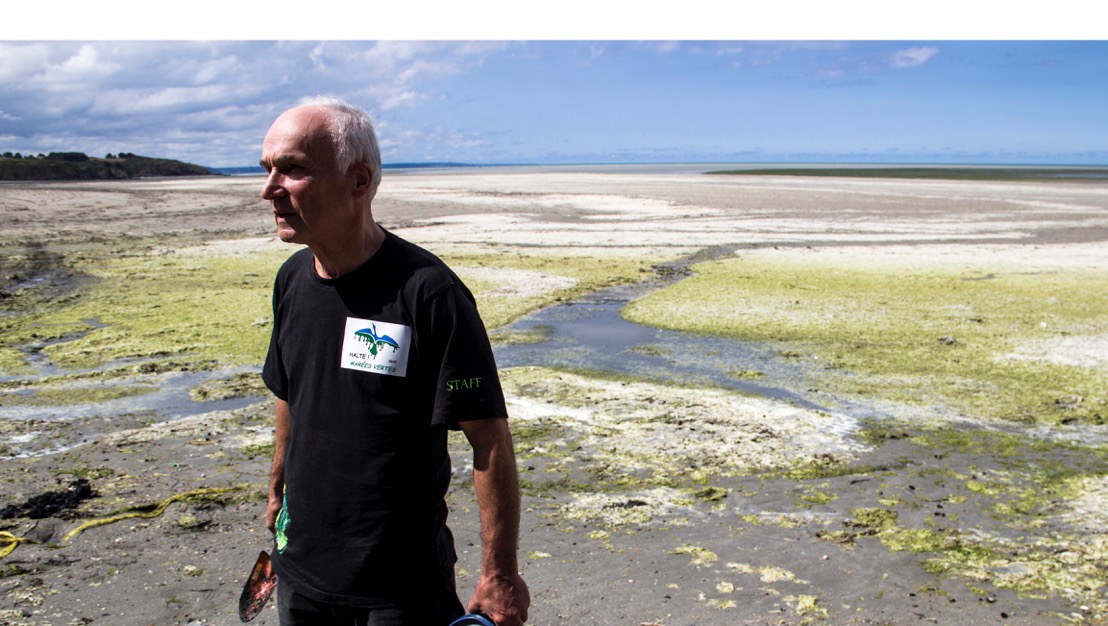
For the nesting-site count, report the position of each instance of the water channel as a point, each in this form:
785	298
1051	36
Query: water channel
590	334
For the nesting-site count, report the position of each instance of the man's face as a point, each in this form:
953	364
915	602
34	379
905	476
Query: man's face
312	200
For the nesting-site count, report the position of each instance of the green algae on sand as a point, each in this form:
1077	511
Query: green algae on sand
976	341
217	307
154	307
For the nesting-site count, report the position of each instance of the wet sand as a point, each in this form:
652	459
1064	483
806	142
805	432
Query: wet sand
644	504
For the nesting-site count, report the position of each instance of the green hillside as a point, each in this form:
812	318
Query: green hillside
80	166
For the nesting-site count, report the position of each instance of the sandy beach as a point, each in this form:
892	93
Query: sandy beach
134	316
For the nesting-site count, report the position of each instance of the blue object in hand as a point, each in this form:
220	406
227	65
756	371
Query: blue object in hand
473	619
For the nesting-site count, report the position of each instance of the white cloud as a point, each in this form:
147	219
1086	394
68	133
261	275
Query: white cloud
136	95
85	67
214	70
175	97
912	57
392	98
596	51
413	61
22	60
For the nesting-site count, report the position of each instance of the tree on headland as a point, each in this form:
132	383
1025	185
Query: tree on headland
71	157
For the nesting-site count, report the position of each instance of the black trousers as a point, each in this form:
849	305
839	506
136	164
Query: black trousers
296	609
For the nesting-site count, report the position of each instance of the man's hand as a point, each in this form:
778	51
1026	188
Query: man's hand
272	511
504	599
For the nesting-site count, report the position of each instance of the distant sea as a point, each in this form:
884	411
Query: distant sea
401	168
1061	172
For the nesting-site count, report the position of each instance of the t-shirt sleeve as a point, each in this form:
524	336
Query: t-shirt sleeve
467	385
273	371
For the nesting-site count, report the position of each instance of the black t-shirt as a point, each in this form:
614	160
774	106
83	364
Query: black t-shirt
376	365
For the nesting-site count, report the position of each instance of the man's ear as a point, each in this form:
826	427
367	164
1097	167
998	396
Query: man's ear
363	178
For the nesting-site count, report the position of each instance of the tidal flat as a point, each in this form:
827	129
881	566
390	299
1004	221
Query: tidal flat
988	338
940	455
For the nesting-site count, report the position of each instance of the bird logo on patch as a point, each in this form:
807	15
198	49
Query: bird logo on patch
376	342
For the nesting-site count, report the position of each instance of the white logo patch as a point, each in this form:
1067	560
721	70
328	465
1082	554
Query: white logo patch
378	347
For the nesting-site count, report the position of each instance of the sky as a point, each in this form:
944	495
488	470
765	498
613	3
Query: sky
504	100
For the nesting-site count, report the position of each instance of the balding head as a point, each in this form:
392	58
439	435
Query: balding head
310	128
351	131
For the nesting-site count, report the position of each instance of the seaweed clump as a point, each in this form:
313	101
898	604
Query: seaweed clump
58	503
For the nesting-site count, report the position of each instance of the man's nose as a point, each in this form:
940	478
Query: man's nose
272	188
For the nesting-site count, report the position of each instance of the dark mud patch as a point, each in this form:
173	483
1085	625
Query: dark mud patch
57	503
35	272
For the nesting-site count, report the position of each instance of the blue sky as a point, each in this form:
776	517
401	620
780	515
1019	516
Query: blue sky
561	101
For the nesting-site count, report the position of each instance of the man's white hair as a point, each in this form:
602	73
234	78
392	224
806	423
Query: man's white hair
353	135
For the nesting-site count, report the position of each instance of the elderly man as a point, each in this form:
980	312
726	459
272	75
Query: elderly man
377	351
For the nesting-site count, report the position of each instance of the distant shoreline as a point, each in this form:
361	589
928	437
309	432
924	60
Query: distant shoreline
938	172
972	172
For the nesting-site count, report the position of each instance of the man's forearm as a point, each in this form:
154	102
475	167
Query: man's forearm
501	591
277	468
496	483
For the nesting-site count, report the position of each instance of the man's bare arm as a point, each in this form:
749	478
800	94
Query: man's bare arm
277	469
501	592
